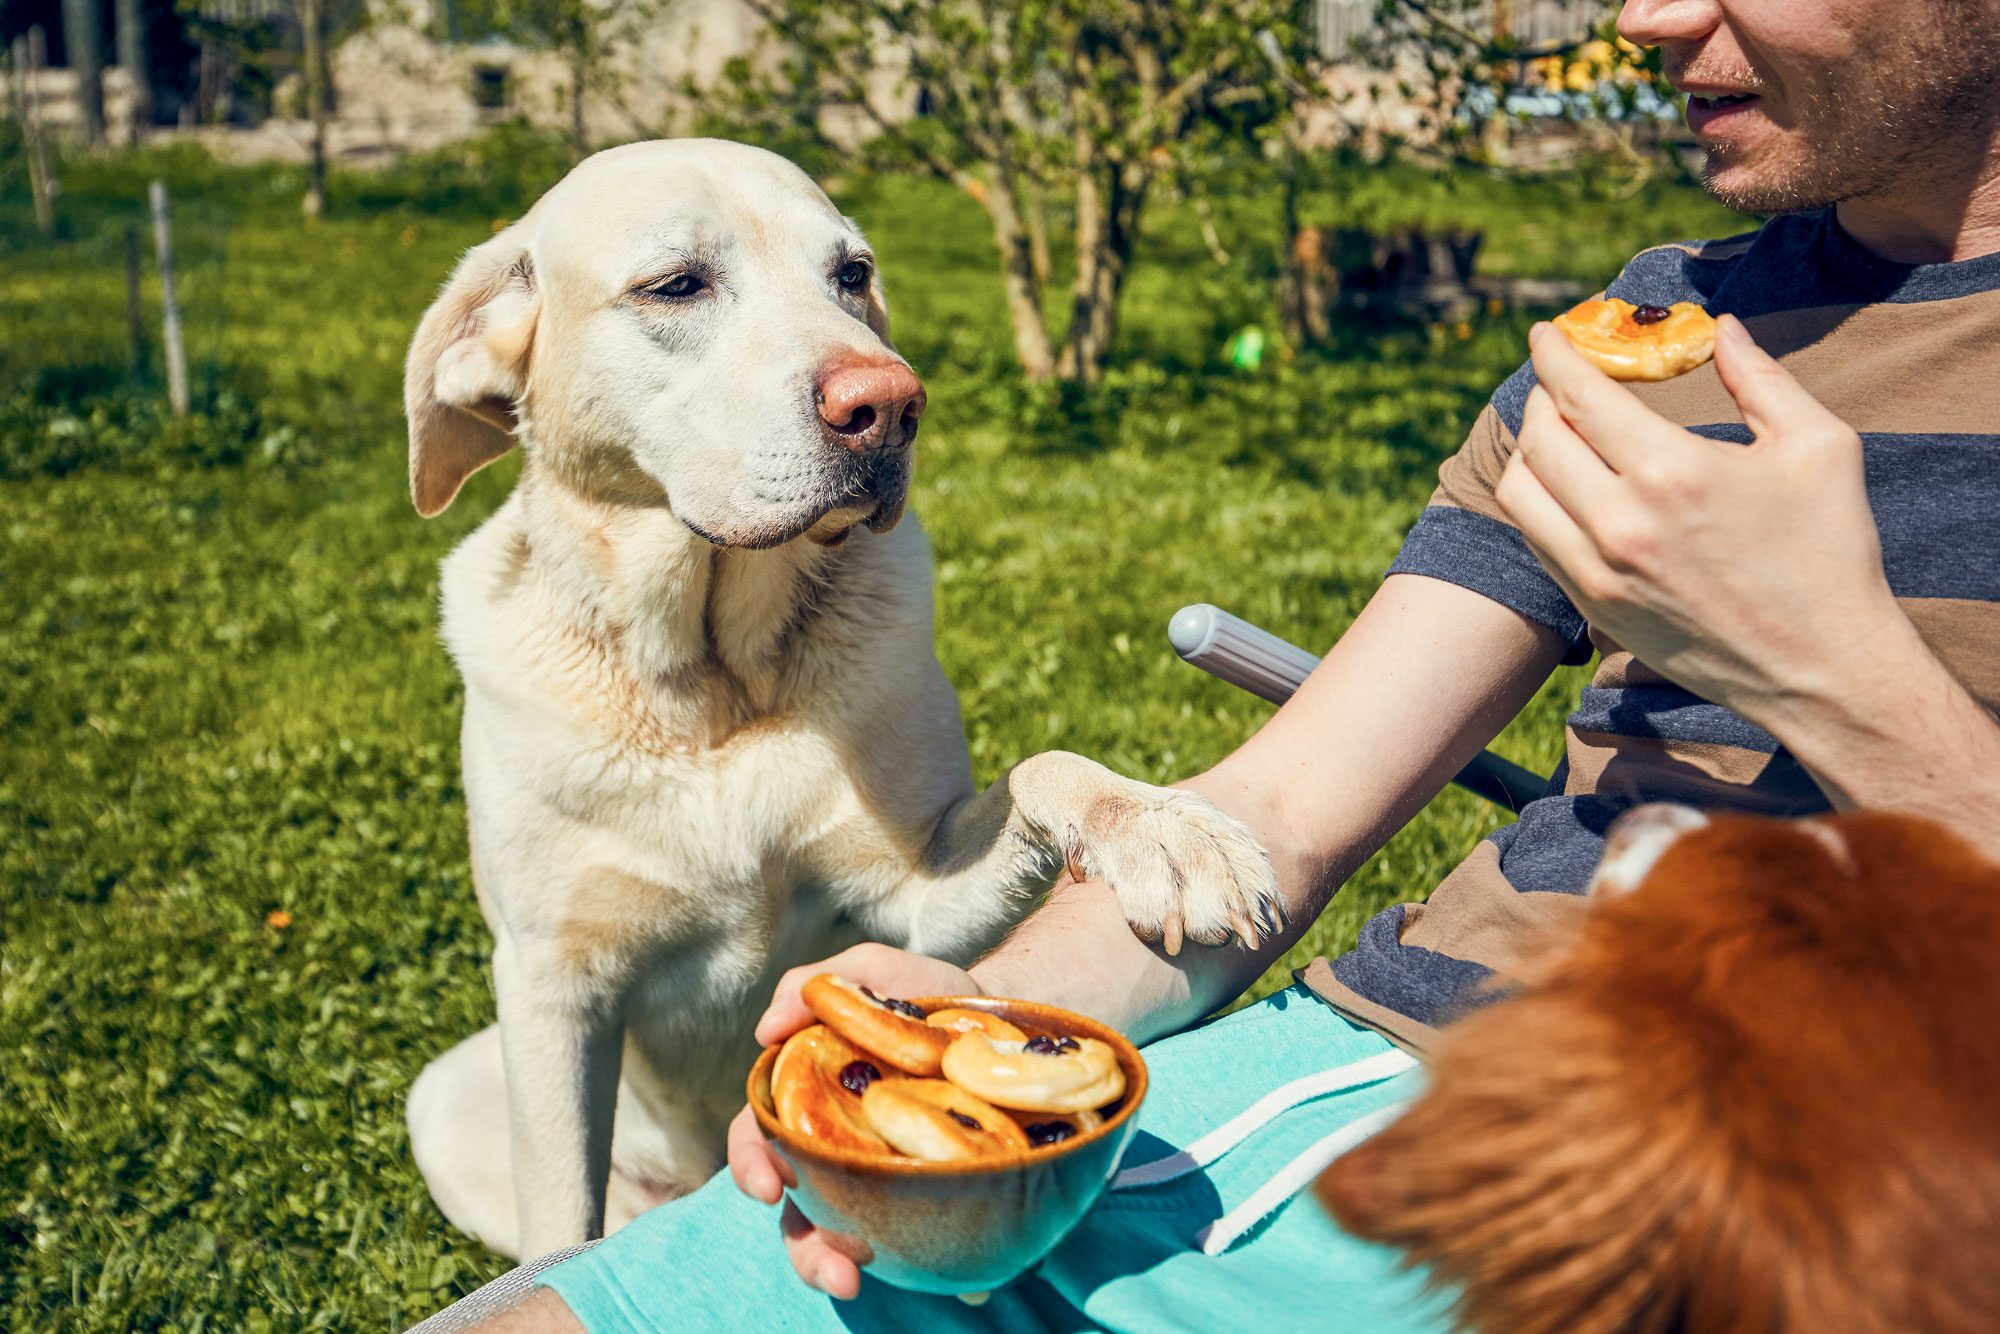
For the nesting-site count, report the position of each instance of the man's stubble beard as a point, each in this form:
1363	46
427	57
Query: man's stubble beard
1923	114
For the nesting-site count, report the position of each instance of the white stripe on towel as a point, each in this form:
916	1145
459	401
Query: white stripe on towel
1291	1179
1278	1101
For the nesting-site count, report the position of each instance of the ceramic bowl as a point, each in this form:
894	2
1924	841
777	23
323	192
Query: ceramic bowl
959	1228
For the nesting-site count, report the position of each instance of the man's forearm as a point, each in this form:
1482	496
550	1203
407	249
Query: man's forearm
1077	951
1893	729
1427	675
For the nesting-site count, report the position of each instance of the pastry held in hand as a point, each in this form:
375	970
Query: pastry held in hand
1629	342
894	1030
931	1120
1040	1075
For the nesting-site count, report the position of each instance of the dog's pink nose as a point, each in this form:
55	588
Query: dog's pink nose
867	405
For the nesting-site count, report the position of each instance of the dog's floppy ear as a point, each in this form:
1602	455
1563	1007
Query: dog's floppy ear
1524	1178
468	366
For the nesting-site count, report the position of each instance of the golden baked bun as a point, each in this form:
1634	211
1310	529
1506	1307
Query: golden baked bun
816	1087
955	1019
893	1030
1041	1075
932	1120
1046	1128
1629	342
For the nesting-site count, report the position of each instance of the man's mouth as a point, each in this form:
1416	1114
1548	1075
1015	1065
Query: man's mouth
1716	110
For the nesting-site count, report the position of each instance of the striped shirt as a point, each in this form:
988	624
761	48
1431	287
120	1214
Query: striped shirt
1909	356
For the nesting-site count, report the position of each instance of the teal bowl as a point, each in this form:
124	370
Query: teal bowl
959	1228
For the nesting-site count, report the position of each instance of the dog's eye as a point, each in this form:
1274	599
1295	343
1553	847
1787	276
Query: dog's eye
852	276
680	285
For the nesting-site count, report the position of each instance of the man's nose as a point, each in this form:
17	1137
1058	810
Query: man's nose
1667	22
869	404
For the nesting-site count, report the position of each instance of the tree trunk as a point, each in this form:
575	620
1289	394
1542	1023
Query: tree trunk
30	56
1305	285
312	17
1108	207
579	71
1002	202
129	21
1036	204
83	35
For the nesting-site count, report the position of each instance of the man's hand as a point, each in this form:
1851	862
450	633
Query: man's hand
756	1169
1751	575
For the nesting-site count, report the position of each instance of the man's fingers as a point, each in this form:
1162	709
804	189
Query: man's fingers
1602	411
816	1263
1546	525
1560	459
1772	402
756	1170
787	1013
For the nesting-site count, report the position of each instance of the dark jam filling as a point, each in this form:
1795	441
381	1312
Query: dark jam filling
856	1076
902	1007
963	1119
1650	314
1051	1046
1044	1133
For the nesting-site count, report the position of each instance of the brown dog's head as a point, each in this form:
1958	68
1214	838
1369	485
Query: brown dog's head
1760	1090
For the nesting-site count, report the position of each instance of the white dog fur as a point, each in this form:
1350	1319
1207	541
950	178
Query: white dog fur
706	737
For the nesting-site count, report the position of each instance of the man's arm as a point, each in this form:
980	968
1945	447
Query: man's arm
1426	676
1895	730
1752	576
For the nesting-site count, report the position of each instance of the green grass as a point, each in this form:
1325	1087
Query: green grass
223	693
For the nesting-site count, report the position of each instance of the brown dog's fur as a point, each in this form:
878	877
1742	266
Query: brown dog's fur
1761	1092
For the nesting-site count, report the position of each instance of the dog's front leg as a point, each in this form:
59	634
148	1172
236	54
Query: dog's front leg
562	1046
1180	867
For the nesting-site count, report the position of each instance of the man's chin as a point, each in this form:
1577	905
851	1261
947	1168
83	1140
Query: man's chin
1770	171
1753	187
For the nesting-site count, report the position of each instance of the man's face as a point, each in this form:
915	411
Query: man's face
1805	103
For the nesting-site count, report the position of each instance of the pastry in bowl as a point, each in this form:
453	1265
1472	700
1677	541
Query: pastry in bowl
932	1186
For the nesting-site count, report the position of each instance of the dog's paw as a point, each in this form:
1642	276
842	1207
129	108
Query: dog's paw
1182	870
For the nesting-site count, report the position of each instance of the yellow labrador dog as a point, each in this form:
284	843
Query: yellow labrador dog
706	736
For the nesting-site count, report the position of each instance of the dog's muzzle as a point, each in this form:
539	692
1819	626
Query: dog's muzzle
869	408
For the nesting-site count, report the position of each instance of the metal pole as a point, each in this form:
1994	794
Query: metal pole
1251	658
170	306
135	317
312	17
30	54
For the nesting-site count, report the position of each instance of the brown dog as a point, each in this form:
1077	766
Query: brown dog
1760	1091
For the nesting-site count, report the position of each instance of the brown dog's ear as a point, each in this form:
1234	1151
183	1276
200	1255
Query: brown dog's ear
1525	1178
468	367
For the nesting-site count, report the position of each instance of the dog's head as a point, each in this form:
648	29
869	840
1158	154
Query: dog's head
1760	1090
689	323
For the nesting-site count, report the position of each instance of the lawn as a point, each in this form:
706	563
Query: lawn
234	900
